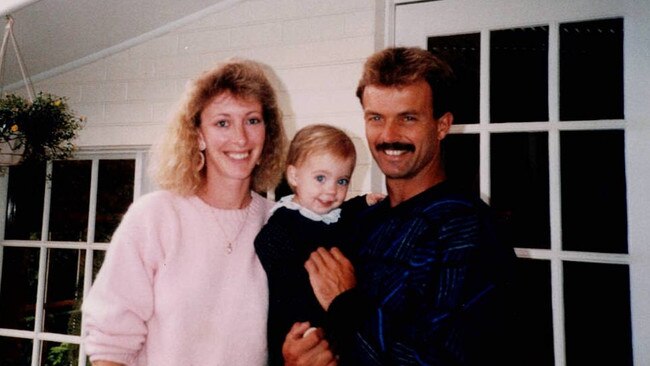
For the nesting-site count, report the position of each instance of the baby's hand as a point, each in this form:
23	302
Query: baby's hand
373	198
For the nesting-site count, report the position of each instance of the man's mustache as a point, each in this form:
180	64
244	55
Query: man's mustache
395	146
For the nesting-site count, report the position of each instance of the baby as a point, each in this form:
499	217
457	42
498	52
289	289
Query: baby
320	162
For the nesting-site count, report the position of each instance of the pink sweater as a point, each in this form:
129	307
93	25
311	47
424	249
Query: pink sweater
170	294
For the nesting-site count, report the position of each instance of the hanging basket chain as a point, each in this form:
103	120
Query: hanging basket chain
9	35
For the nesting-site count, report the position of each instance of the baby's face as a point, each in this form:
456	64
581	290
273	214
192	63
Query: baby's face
321	181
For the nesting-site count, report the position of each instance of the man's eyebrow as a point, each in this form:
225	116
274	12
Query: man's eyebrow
370	111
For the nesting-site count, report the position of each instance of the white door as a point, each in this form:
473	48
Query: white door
554	131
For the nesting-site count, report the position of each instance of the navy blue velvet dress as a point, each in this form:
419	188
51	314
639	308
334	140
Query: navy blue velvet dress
283	246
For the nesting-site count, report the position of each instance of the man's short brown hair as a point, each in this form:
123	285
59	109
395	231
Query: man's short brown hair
401	66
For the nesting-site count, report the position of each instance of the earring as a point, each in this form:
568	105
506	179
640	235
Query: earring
201	161
202	145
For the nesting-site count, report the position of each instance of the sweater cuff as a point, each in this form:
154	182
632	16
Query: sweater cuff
121	358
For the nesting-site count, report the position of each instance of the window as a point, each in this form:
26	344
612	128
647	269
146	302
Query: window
58	220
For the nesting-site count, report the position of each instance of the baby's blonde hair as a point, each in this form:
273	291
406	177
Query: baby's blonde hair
318	139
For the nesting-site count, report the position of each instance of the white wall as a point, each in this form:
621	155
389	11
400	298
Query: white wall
315	47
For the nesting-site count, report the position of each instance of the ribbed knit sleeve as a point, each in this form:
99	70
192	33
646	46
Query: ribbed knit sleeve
121	299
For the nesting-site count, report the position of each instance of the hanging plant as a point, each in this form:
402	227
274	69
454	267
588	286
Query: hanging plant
38	131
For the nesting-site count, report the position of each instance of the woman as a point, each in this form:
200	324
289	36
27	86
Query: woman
181	284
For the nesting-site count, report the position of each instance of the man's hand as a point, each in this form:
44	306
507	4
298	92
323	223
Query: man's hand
303	348
330	274
374	198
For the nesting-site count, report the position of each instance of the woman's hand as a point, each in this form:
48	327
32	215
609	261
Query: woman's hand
305	346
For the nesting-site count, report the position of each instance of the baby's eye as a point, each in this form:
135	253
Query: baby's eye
320	178
343	182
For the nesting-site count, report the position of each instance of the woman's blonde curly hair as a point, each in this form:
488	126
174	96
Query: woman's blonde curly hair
178	156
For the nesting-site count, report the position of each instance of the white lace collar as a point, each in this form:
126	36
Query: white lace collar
328	218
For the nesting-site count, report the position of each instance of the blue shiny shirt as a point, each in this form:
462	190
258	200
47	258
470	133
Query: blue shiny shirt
432	285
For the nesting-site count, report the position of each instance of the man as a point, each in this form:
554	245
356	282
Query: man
431	277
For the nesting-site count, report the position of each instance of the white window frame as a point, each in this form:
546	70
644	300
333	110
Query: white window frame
408	23
141	186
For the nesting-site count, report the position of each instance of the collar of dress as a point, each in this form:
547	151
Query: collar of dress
328	218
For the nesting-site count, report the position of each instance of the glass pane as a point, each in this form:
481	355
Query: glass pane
18	288
597	314
114	195
25	202
463	53
15	351
534	326
591	70
63	295
461	159
98	260
70	200
519	75
520	187
59	354
593	191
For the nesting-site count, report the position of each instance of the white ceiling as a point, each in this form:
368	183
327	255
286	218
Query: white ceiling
55	35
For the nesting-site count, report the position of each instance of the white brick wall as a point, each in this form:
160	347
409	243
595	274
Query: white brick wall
315	47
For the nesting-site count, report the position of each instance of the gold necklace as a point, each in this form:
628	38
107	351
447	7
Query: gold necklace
231	242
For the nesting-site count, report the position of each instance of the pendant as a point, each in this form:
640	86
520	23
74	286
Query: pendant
229	248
